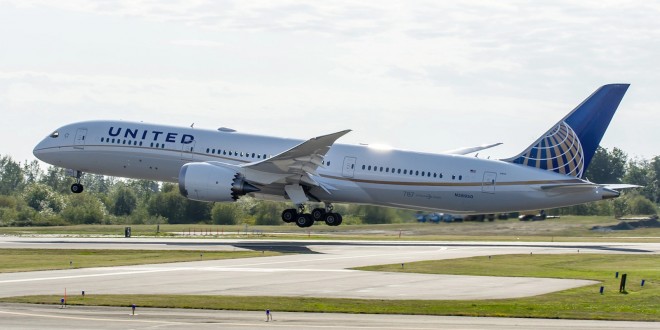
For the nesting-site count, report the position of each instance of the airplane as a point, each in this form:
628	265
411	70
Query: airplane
222	165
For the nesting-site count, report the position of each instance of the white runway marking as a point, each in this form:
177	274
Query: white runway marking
90	275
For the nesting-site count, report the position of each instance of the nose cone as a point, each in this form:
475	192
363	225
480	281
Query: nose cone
38	149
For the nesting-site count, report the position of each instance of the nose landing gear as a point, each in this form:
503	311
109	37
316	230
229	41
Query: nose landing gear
77	187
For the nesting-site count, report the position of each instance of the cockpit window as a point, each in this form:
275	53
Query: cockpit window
55	134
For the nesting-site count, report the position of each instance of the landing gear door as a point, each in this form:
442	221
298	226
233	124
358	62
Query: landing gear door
488	185
188	150
81	135
349	167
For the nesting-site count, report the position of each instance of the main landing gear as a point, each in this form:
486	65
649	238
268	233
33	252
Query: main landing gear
304	220
77	187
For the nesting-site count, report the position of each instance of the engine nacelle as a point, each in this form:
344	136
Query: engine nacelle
211	183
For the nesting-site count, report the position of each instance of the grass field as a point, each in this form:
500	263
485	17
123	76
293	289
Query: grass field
21	260
637	304
570	228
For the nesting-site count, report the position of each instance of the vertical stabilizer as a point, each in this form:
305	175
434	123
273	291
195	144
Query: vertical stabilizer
570	144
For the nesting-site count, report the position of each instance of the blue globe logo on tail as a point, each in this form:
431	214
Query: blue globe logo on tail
568	147
559	150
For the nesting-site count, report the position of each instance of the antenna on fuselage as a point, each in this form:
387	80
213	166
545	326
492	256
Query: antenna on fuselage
191	125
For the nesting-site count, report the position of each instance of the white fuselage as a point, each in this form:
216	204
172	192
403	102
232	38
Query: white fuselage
355	174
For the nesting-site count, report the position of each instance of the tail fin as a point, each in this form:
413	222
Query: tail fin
568	146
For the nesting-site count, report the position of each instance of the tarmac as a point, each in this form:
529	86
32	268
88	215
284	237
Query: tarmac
20	316
317	269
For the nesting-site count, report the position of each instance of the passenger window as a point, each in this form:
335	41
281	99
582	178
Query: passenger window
207	150
363	166
398	171
405	171
460	177
435	175
422	173
416	172
102	140
369	167
328	163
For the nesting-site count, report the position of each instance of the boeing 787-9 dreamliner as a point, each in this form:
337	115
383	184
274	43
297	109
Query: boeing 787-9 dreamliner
223	165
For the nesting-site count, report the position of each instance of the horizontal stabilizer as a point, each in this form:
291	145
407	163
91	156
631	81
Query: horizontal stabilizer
620	186
469	150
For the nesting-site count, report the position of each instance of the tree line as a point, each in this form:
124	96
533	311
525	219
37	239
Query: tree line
32	196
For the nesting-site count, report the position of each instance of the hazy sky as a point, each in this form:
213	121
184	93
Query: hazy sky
420	75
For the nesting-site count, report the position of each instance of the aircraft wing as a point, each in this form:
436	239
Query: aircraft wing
296	165
469	150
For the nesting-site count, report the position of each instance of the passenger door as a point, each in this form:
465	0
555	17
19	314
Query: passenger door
349	167
79	141
488	185
188	151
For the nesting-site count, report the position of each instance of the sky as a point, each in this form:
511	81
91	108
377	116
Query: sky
417	75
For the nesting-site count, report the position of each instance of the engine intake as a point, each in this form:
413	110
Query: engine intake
210	183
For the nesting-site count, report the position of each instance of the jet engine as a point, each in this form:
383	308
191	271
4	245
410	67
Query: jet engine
210	183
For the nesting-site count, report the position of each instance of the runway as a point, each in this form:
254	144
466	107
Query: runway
318	269
16	316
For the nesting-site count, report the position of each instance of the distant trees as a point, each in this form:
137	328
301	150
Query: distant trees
607	167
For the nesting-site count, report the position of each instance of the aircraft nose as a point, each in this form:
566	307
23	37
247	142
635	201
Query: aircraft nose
39	149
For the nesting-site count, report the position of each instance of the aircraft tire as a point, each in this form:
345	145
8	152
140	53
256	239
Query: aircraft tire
289	215
341	219
77	188
332	219
318	214
304	220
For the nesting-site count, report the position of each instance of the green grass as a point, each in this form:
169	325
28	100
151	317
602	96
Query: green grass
21	260
568	228
637	304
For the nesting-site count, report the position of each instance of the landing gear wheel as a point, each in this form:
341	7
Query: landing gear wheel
332	219
304	220
318	214
77	188
289	215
